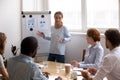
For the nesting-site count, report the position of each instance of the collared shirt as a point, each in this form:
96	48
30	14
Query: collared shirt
57	47
110	67
94	56
23	68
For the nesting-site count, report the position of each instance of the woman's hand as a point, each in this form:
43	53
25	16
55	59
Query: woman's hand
60	40
74	63
58	78
86	74
41	34
92	71
46	74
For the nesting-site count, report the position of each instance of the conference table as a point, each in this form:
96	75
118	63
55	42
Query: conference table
58	70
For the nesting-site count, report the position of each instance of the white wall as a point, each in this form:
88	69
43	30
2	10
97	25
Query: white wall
10	23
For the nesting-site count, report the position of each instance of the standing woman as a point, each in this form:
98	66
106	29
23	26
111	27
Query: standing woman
59	36
3	70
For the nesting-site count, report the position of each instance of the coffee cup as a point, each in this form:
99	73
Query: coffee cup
67	68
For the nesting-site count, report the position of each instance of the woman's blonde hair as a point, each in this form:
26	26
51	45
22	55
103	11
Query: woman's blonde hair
59	12
2	42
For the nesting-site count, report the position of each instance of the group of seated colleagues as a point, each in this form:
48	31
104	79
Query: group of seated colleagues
94	52
110	67
22	67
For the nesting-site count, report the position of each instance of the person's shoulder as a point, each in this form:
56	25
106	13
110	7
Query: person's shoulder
64	27
12	59
111	55
99	46
52	26
33	65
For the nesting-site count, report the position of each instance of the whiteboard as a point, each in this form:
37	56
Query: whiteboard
32	22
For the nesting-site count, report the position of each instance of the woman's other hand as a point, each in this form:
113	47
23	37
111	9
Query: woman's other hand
41	34
74	63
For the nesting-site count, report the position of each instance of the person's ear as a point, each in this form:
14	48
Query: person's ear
34	53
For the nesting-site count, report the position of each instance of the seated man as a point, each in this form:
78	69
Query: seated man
110	67
22	67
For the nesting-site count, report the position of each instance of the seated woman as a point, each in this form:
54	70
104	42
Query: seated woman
94	52
3	70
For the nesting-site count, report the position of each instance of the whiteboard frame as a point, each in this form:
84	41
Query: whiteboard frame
33	13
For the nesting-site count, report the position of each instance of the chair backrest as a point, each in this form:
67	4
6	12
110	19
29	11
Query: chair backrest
83	56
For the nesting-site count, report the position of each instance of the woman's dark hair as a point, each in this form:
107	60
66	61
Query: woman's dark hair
29	45
94	33
2	42
58	12
113	35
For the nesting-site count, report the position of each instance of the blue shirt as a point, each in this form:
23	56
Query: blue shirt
23	68
94	56
57	47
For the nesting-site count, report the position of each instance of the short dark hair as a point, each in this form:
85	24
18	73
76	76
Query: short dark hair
29	45
113	35
94	33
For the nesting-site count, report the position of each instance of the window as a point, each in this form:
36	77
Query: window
103	13
28	6
71	12
97	13
33	5
78	15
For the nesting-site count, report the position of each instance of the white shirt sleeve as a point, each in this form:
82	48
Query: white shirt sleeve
105	69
